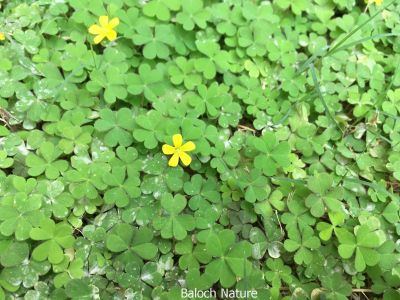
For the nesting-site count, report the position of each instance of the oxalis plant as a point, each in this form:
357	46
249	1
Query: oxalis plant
220	148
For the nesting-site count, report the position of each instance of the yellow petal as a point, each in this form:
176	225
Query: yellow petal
111	35
173	162
167	149
95	29
103	20
189	146
113	23
98	38
2	36
185	158
177	140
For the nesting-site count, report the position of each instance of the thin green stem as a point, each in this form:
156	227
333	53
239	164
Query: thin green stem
321	97
388	115
355	30
328	50
360	41
381	136
93	56
374	186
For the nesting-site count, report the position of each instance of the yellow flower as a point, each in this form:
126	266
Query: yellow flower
2	36
178	151
105	30
377	2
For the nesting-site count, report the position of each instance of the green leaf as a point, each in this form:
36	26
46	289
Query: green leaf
173	204
13	253
56	237
391	212
155	42
117	126
161	8
124	237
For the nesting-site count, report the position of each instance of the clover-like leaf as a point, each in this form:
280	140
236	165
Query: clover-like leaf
326	229
116	126
215	60
110	78
292	190
173	223
155	42
149	130
20	210
27	272
325	196
277	272
183	70
123	187
46	162
55	237
68	270
13	253
273	154
211	99
255	186
86	180
192	14
148	81
230	257
161	8
191	256
56	200
124	237
5	161
303	243
363	243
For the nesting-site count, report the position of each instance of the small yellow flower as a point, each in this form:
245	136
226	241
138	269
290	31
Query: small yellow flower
105	30
2	36
377	2
178	151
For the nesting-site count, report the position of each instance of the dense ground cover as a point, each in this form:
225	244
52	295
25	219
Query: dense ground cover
149	146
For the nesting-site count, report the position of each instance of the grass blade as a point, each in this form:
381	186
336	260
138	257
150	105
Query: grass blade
333	49
372	185
321	97
295	181
360	41
380	136
311	59
388	115
351	33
